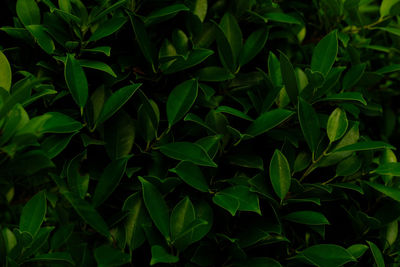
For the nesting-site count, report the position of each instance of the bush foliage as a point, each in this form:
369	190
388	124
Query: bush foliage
199	133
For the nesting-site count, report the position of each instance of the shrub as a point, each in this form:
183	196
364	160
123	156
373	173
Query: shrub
199	133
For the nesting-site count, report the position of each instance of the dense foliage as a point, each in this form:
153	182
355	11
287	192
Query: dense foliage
199	133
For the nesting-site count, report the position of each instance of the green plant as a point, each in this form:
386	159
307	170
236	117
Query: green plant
199	133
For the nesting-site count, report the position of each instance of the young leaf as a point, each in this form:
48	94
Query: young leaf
109	180
324	53
57	122
279	172
33	213
309	124
116	101
160	255
5	72
76	81
289	78
337	124
156	206
189	152
253	45
268	120
192	175
180	100
28	12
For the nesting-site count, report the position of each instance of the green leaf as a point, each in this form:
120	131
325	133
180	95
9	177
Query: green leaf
214	74
192	175
325	53
309	123
87	212
160	255
143	40
385	7
357	250
165	13
376	252
337	124
189	152
106	255
106	50
196	119
365	145
348	166
388	69
388	168
54	257
328	255
279	172
107	28
28	12
78	181
352	76
195	57
180	100
268	120
76	81
156	206
391	192
109	180
57	122
289	78
392	30
41	36
199	8
281	17
119	135
253	45
307	217
246	161
181	218
116	101
97	65
239	194
346	96
227	202
234	112
33	213
231	30
5	73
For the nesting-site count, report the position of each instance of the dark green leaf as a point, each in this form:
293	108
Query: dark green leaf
33	213
309	124
279	172
192	175
28	12
346	96
289	78
337	125
76	81
106	255
391	192
5	72
165	13
281	17
160	255
214	74
54	257
97	65
253	45
376	252
365	145
268	120
325	53
307	217
42	37
107	28
189	152
357	250
328	255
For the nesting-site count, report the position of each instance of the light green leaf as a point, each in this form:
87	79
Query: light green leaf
87	212
164	13
392	30
5	72
357	250
279	172
42	37
107	28
328	255
33	213
97	65
156	206
116	101
376	252
76	81
233	34
309	123
325	53
346	96
192	175
365	145
28	12
253	45
109	180
307	217
337	124
268	120
160	255
391	192
106	255
385	7
189	152
180	100
289	78
199	8
388	168
181	218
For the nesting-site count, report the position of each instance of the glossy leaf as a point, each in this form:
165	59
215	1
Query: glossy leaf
279	172
156	207
268	120
160	255
389	168
109	180
365	145
337	125
180	100
391	192
189	152
346	96
237	198
182	217
253	45
42	37
107	28
5	72
192	175
165	13
309	124
289	78
307	217
76	81
214	74
325	53
357	250
328	255
28	12
97	65
33	213
108	256
376	252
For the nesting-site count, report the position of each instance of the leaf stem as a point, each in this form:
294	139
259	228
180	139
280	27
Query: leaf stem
315	162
